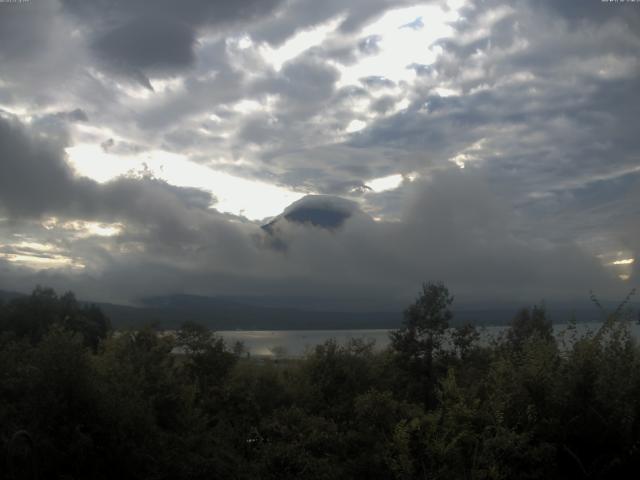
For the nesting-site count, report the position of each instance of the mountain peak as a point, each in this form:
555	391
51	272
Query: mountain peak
324	211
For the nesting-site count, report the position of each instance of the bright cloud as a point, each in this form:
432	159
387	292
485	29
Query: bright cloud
400	45
625	261
253	199
38	255
383	184
298	43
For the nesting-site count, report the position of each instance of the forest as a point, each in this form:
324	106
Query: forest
80	400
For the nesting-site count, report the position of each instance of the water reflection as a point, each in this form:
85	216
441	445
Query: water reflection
295	343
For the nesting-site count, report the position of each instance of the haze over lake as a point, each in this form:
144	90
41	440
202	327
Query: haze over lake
295	343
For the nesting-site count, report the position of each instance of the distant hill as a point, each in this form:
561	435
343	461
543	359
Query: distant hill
238	313
5	296
224	313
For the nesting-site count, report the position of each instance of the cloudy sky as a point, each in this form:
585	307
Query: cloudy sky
492	145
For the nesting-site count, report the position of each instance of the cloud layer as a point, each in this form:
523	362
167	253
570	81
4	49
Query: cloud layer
516	146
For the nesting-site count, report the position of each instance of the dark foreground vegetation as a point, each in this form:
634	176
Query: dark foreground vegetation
78	401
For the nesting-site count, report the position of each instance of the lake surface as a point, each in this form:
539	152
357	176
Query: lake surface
295	343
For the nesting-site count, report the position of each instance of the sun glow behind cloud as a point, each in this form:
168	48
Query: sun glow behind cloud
404	37
38	255
620	262
626	261
355	126
298	43
625	267
383	184
27	251
253	199
83	229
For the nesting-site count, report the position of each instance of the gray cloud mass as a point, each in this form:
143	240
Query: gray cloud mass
516	147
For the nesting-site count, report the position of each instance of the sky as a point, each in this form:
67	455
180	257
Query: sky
490	145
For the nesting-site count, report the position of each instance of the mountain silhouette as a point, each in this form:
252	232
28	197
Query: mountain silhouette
322	211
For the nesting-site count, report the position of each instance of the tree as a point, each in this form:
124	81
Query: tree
529	323
337	374
420	338
207	360
463	339
31	317
87	320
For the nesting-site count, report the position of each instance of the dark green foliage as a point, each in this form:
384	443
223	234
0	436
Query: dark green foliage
336	374
420	340
206	361
76	402
529	323
295	444
33	316
463	339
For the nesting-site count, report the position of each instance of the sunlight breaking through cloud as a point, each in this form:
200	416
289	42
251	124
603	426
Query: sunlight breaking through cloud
626	261
384	184
38	256
459	125
297	44
253	199
398	47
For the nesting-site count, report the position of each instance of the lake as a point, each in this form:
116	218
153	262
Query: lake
294	343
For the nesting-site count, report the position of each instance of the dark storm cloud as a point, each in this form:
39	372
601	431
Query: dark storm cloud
139	38
190	11
144	44
33	174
